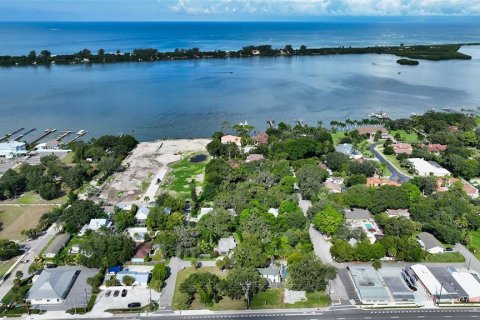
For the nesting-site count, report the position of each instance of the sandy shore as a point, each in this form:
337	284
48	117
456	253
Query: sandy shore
147	163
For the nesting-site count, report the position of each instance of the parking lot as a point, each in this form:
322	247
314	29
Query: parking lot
135	294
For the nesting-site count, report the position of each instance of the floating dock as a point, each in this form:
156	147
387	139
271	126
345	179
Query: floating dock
46	133
63	134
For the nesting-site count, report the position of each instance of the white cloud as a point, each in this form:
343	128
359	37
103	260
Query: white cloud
326	7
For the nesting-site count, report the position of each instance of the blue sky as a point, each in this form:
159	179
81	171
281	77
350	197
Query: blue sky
137	10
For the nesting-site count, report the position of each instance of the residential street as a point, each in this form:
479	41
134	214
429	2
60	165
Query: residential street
36	247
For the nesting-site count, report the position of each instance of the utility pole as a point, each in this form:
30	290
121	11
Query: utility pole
246	291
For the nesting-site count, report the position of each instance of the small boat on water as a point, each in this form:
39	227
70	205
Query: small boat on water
81	132
414	114
379	115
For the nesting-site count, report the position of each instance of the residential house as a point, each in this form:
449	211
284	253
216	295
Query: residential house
372	130
333	187
362	219
225	245
260	139
347	149
142	252
141	278
444	184
435	147
254	157
203	211
95	225
52	286
273	274
142	215
396	213
429	243
378	182
57	244
399	148
137	233
231	139
273	211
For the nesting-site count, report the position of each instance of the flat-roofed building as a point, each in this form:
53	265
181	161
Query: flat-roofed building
428	168
12	149
470	284
368	285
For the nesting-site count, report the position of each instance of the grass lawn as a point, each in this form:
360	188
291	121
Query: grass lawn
15	219
337	136
406	137
73	241
314	300
68	159
445	257
392	158
5	265
182	173
475	242
363	148
31	197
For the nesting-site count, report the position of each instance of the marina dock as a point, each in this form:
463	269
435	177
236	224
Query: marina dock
46	133
8	135
80	134
17	138
63	134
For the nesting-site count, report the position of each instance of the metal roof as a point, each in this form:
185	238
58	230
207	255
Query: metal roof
53	284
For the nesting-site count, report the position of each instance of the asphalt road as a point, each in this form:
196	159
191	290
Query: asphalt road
336	314
396	174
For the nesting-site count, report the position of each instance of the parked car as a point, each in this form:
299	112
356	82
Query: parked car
124	293
24	261
109	292
449	249
115	294
134	305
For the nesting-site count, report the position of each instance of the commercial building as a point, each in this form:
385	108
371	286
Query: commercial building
368	285
12	149
52	286
428	168
470	284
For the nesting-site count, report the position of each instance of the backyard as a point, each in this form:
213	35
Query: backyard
446	257
17	218
182	172
411	137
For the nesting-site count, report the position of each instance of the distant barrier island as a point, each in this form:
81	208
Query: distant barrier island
422	52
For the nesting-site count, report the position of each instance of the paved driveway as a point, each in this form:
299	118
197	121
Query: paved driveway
134	294
175	265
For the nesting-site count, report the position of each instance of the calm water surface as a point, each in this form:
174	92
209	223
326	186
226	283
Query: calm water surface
193	98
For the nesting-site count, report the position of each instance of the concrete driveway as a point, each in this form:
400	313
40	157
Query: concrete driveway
175	265
135	294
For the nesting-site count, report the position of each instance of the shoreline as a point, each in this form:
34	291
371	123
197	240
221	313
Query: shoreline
432	52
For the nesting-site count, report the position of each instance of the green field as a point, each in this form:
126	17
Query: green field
475	242
31	197
182	172
5	265
406	137
446	257
337	136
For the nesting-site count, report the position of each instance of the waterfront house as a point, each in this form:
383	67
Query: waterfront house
370	131
231	139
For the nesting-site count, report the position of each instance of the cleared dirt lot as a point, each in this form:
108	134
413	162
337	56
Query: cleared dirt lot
16	218
148	161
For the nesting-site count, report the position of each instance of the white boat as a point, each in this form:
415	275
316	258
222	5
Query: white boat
81	132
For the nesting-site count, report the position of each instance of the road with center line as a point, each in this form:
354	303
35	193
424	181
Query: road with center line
327	314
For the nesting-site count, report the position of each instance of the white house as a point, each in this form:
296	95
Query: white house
12	149
137	234
142	215
141	278
427	168
225	245
231	139
203	211
430	243
95	225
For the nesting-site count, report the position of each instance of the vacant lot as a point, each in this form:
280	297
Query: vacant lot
33	198
411	137
182	173
17	218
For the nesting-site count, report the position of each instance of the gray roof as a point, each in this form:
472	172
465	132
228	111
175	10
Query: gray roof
226	244
399	289
356	213
57	244
429	241
53	284
270	271
399	213
449	284
368	284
